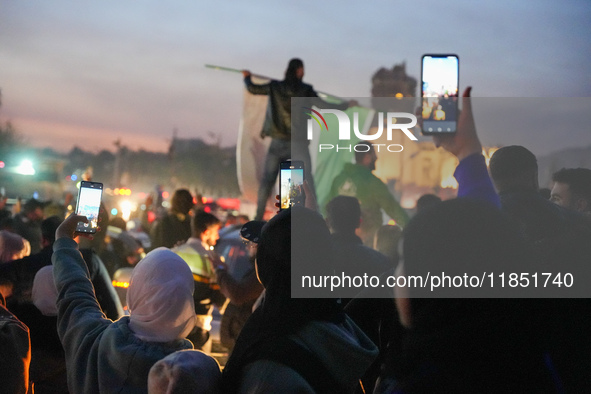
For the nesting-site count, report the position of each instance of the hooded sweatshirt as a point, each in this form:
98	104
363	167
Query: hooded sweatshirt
343	350
103	356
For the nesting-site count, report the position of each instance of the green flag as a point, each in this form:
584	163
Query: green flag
329	162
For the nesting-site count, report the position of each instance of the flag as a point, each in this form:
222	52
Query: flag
329	163
251	149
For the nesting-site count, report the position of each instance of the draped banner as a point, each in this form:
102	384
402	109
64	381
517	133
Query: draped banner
251	148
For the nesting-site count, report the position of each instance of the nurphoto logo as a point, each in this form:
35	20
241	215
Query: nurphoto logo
344	132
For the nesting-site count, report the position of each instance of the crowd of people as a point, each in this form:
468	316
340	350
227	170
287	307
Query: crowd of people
64	329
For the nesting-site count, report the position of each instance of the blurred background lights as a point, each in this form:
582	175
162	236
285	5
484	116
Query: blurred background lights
25	168
125	209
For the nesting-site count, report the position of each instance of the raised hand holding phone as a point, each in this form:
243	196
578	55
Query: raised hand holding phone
465	141
68	228
310	199
440	78
88	205
291	184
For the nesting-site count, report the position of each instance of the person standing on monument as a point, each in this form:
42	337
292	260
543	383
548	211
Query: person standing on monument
277	125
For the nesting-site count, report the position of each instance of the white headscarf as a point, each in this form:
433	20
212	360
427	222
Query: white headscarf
44	291
160	297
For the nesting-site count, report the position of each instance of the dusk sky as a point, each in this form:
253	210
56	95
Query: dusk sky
87	73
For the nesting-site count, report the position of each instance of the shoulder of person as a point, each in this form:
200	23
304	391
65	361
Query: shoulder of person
263	376
307	86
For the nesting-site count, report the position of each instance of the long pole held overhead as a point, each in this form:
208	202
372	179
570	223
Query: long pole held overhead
235	70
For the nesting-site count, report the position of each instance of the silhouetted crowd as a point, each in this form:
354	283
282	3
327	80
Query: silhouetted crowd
64	326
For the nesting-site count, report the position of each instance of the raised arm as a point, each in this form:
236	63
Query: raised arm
80	318
264	89
471	174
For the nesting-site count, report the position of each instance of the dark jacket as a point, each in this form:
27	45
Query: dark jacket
561	241
352	258
48	362
278	119
15	352
29	230
173	229
21	273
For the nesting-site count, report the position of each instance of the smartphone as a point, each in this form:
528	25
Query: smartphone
89	203
291	184
440	80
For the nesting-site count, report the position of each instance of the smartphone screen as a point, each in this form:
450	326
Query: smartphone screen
89	202
440	77
291	184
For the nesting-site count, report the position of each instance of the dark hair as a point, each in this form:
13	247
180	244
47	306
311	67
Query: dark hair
577	179
182	201
202	221
343	213
514	168
290	74
360	155
32	204
48	228
118	222
426	201
295	239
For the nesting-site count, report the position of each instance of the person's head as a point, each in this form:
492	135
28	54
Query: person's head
426	201
572	189
295	240
48	227
365	155
514	168
44	292
130	248
182	201
160	297
295	237
33	210
185	371
118	222
13	246
343	214
205	226
459	236
231	220
251	235
295	70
